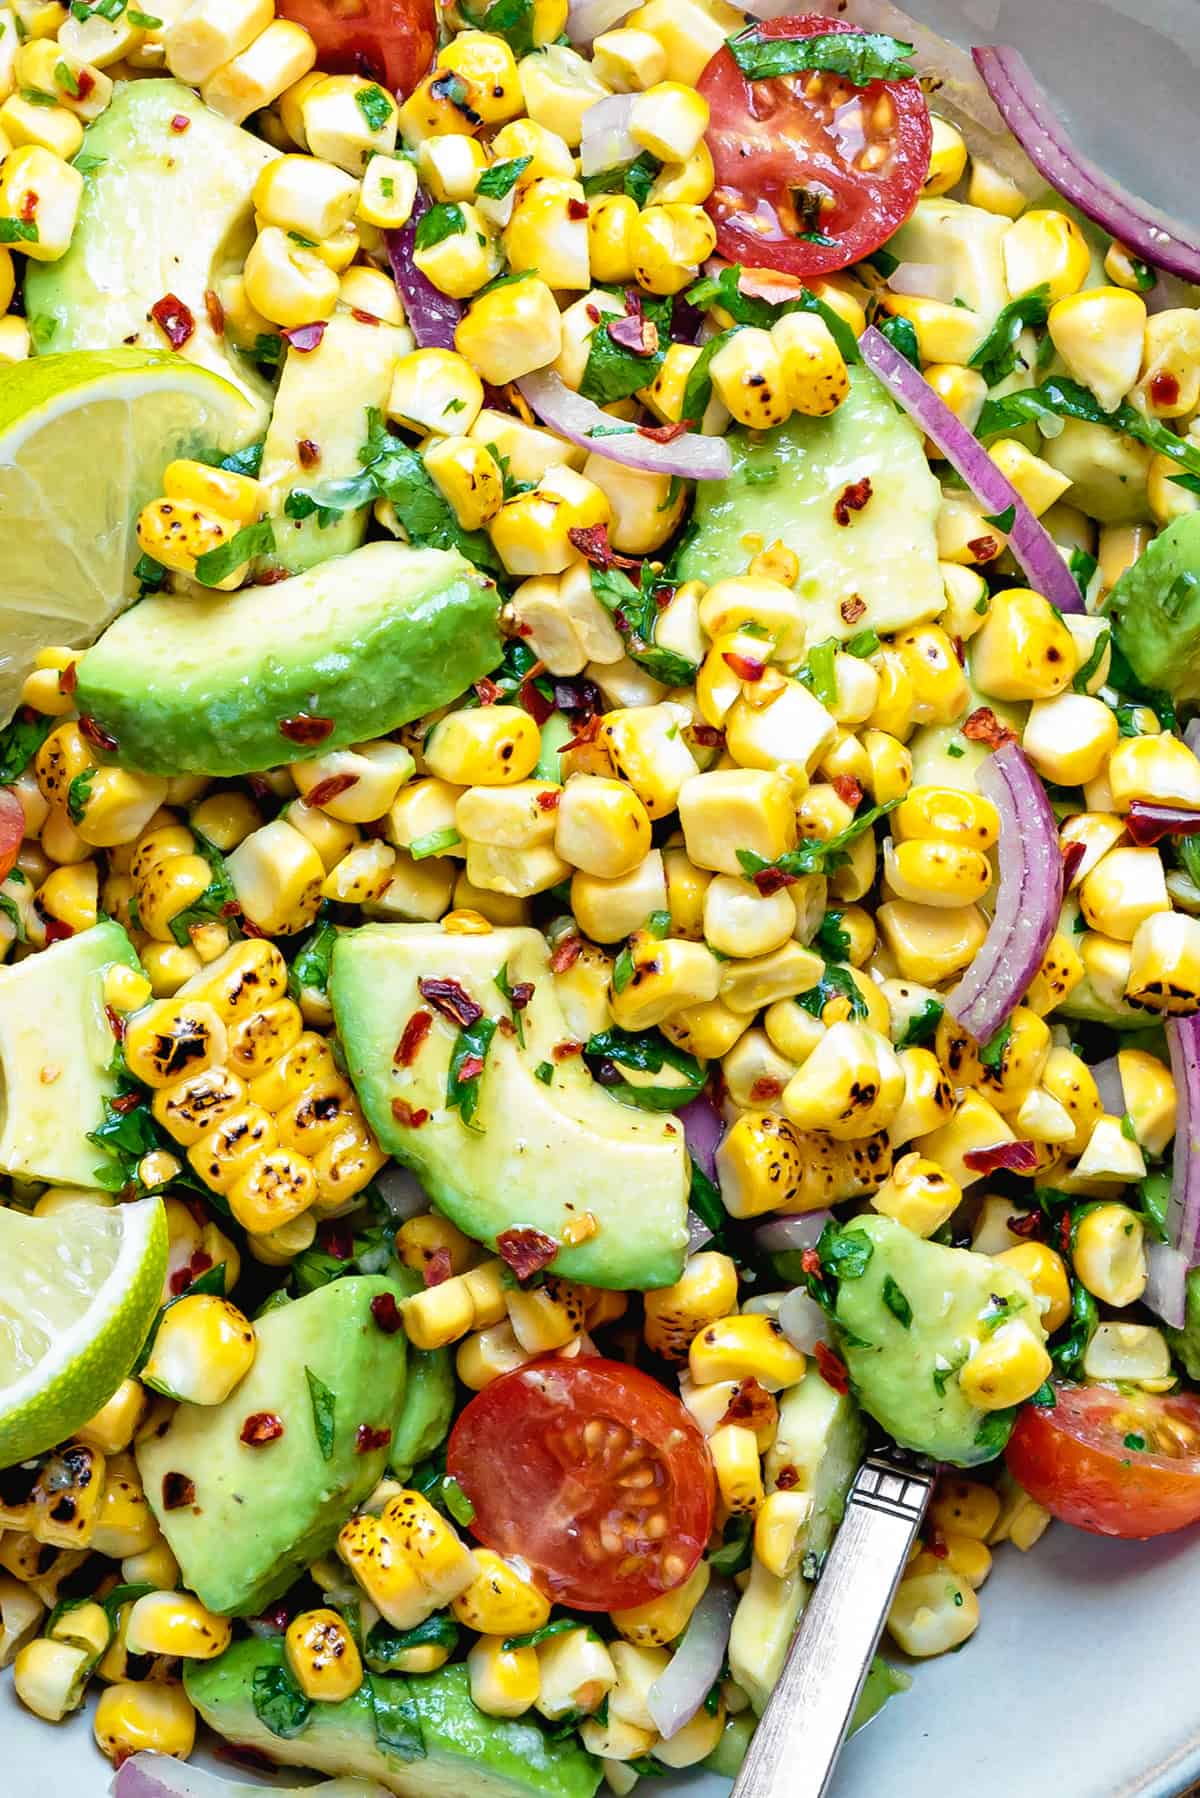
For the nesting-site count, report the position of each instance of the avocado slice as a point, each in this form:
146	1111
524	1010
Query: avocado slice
787	484
201	684
906	1377
56	1056
255	1517
1155	611
422	1737
537	1154
166	211
426	1411
323	399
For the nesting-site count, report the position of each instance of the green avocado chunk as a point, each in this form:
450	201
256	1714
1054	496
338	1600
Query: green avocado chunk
56	1055
1155	611
370	640
537	1153
906	1375
426	1411
1186	1342
787	485
419	1737
165	211
242	1520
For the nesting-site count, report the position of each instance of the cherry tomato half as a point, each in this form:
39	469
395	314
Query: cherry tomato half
810	153
12	830
593	1473
391	41
1110	1463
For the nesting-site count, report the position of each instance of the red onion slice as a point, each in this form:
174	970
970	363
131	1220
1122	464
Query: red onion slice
1148	824
1166	1284
786	1235
691	457
802	1321
1183	1207
1028	899
703	1127
1029	113
606	142
694	1668
1030	542
1110	1086
432	315
588	18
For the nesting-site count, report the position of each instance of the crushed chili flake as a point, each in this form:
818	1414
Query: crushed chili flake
786	1478
770	880
366	1438
386	1313
520	995
527	1252
412	1118
747	668
260	1428
587	733
305	338
566	1051
848	790
1148	824
853	498
1064	1234
308	453
708	736
125	1102
180	123
831	1368
1164	388
810	1261
85	81
533	700
57	931
173	319
305	727
983	726
364	318
939	1548
335	1238
29	206
116	1022
411	1038
215	311
177	1491
984	549
68	678
1016	1157
183	1277
853	608
566	954
438	1267
454	1003
250	928
470	1067
1072	854
1029	1226
592	542
486	691
766	1087
330	788
95	734
270	576
664	433
547	801
750	1402
577	209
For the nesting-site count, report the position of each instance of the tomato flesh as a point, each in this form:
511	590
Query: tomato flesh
12	830
1081	1460
592	1473
390	41
810	153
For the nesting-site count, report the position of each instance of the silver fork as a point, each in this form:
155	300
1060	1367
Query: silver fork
795	1748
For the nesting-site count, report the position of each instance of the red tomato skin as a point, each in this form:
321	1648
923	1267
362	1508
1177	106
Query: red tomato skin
502	1453
872	207
389	41
12	830
1072	1459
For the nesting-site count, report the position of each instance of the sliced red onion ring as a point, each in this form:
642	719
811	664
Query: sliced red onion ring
432	315
785	1235
1110	1086
923	280
694	1668
148	1775
699	1234
1030	115
401	1192
1183	1208
691	457
606	142
1030	542
588	18
1166	1284
703	1126
1028	899
802	1321
1148	824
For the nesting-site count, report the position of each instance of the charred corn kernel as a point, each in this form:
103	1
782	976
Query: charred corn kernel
850	1085
323	1656
170	1039
487	1354
601	826
610	226
740	921
976	1124
1007	1368
1100	334
708	1030
361	875
490	746
1045	249
421	1238
1046	1273
947	158
340	130
203	1348
558	86
1137	1353
1041	1119
815	379
157	1717
608	910
668	244
942	875
1015	1065
747	372
930	945
509	332
762	1168
112	1427
439	104
780	1527
746	1347
1110	1254
685	183
668	975
547	1317
405	1559
918	1195
945	333
616	1742
576	1673
460	263
235	496
1149	1098
964	1508
1024	650
932	1613
505	1682
947	815
755	1073
706	1292
1070	738
1164	964
72	895
548	235
66	1499
375	773
49	1677
1158	769
176	1624
486	63
500	1601
1069	1080
434	390
287	283
647	749
277	877
890	766
532	533
468	477
734	1451
1126	887
306	195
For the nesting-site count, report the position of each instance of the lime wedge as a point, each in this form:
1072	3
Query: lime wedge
78	1293
84	439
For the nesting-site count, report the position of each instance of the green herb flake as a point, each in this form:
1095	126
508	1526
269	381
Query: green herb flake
18	231
457	1502
991	1053
822	670
20	742
279	1704
434	842
464	1078
252	540
896	1302
1135	1442
66	77
324	1407
78	794
544	1071
859	57
998	354
922	1026
377	109
498	181
1062	398
817	855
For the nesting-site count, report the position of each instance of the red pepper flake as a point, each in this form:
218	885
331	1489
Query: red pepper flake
412	1118
183	1277
771	880
330	788
593	545
173	319
448	997
470	1067
95	734
708	736
57	931
960	651
260	1428
938	1547
848	790
177	1491
250	928
1148	824
831	1367
1072	854
125	1102
566	954
438	1267
366	1438
750	1401
533	700
810	1262
305	338
766	1087
566	1051
68	678
854	497
29	206
520	995
1028	1226
984	549
577	209
1016	1157
215	311
587	733
983	726
521	629
547	801
786	1478
116	1022
308	453
85	81
364	318
305	728
413	1035
180	123
747	668
486	691
336	1239
1164	388
270	576
853	608
386	1313
665	433
527	1252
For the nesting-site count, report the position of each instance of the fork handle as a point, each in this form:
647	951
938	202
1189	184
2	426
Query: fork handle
795	1748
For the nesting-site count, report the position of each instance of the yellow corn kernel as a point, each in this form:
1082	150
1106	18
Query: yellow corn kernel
171	1038
203	1348
601	826
751	1346
1150	1098
815	378
1046	1272
509	332
1036	482
500	1601
112	1427
1069	738
930	945
1007	1368
1110	1254
1158	769
706	1292
486	63
945	333
1099	334
505	1682
748	375
734	1451
947	158
850	1085
176	1623
323	1656
975	1125
663	1619
1024	650
932	1613
780	1529
1045	249
487	1354
1169	385
1126	887
918	1194
157	1717
234	496
49	1677
942	875
964	1508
